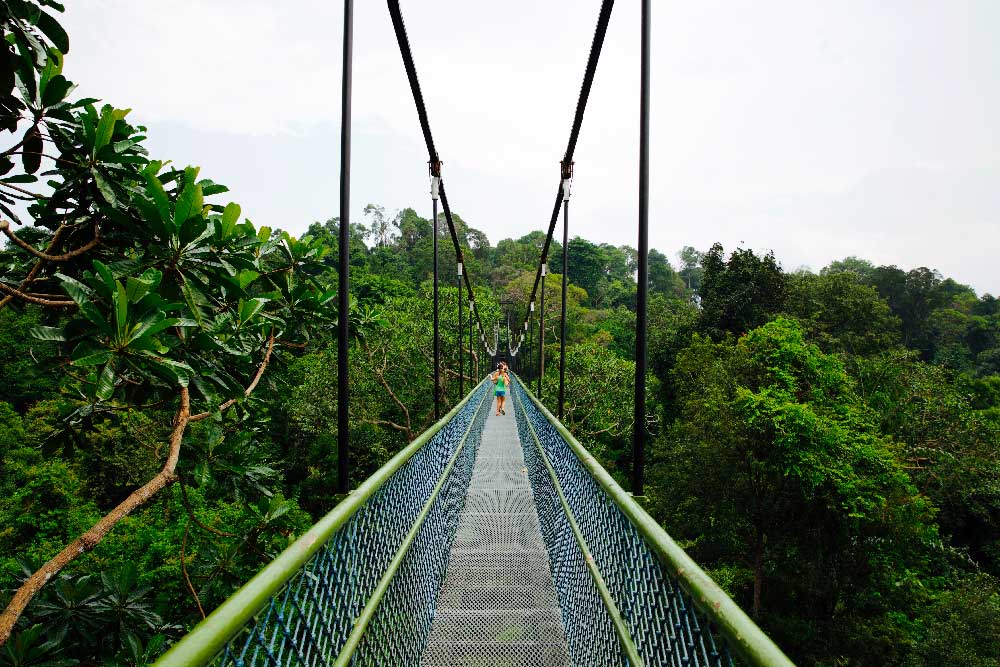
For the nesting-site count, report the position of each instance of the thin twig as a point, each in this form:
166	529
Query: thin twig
187	579
250	387
190	511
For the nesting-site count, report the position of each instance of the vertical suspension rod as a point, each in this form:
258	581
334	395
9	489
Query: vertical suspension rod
541	335
435	185
639	428
567	179
461	342
344	255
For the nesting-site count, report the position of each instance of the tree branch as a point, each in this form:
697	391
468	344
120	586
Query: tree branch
65	257
28	194
249	390
92	537
30	298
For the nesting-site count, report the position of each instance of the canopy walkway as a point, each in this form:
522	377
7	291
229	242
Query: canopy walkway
489	540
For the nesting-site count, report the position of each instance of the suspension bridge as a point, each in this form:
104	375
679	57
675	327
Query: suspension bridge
491	539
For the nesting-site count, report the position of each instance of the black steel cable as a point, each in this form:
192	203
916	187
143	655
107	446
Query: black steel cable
418	99
581	105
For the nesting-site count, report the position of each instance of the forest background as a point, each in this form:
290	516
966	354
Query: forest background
824	444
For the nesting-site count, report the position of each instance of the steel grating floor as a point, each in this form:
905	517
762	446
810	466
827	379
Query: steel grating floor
497	606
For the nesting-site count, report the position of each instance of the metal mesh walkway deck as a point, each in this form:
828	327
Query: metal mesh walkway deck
498	605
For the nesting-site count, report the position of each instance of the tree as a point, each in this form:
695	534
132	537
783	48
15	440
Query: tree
776	471
861	268
662	278
380	228
842	314
739	294
691	269
157	297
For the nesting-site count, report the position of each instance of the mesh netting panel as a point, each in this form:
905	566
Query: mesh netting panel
664	624
399	629
590	635
497	607
308	621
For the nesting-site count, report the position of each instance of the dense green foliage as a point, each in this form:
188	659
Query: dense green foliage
826	445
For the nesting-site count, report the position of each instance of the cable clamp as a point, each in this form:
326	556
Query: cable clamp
545	270
434	169
566	173
459	269
532	306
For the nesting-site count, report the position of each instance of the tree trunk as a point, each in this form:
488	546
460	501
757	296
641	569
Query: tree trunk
758	572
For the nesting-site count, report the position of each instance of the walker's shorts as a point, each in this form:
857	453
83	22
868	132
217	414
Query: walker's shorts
501	392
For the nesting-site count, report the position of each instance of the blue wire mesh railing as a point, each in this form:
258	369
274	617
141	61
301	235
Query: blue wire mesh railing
360	587
314	611
664	624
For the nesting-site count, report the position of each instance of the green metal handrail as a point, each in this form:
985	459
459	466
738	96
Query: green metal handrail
624	637
744	637
211	635
362	622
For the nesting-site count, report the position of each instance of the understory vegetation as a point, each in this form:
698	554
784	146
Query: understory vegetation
826	445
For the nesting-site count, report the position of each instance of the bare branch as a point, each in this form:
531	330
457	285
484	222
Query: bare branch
380	374
23	191
65	257
30	298
184	571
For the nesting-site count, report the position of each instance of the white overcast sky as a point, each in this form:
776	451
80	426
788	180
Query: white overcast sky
816	129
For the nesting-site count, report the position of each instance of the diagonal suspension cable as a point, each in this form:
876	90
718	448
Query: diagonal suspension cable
581	105
425	127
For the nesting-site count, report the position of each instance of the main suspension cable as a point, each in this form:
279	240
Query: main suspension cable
567	162
425	127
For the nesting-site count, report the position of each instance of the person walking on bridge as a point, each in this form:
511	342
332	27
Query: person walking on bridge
501	380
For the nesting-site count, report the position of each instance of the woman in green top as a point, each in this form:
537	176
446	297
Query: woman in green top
501	381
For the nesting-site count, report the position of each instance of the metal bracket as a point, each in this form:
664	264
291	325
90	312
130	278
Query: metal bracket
460	269
434	168
566	173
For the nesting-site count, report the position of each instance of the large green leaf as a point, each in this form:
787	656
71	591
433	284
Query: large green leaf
93	359
80	294
189	203
249	309
31	155
47	333
105	127
154	188
121	310
229	219
106	381
104	186
108	287
51	29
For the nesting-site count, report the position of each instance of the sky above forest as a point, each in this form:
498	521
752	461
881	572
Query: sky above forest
815	129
